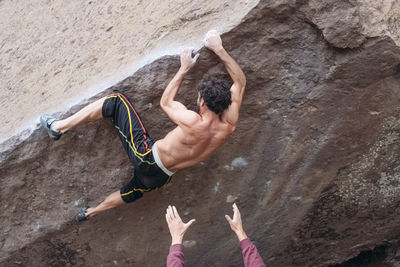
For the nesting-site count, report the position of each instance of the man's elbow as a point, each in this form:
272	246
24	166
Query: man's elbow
163	104
233	127
241	82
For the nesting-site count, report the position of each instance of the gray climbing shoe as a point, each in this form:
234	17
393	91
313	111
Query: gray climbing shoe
82	214
47	121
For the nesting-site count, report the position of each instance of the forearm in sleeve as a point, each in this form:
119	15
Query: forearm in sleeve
251	257
175	257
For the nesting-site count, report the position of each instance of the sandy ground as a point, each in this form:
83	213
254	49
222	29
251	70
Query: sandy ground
55	54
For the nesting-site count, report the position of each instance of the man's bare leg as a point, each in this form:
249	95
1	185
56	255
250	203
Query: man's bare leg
112	201
91	112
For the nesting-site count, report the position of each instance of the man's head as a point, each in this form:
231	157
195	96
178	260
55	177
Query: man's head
215	94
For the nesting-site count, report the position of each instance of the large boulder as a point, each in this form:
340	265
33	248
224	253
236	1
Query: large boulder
313	164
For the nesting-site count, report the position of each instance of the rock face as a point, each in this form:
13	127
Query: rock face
54	55
313	165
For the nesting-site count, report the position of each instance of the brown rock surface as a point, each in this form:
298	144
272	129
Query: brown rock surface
313	165
55	54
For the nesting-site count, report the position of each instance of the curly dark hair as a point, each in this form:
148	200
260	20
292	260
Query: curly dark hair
215	93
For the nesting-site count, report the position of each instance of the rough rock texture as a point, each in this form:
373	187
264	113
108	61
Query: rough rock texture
313	165
385	255
54	54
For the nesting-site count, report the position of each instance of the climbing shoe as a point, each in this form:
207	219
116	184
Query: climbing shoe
82	214
47	121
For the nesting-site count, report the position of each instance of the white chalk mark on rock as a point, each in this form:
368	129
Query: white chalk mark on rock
228	167
189	243
236	163
239	162
216	187
267	183
79	202
231	198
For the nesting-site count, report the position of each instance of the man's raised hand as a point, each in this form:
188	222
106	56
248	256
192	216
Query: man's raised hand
187	61
213	41
176	226
236	223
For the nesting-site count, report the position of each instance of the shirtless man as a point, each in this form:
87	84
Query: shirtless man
196	136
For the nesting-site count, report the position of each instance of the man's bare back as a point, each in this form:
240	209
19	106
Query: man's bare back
199	134
184	147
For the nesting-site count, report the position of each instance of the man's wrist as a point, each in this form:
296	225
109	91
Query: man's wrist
176	240
183	70
219	50
241	235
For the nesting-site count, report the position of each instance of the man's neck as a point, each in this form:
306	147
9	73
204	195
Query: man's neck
208	114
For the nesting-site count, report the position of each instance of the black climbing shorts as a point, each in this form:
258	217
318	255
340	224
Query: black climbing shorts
137	144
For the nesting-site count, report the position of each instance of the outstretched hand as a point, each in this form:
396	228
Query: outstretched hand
213	41
236	223
187	61
176	226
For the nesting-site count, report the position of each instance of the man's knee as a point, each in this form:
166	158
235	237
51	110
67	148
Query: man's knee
131	195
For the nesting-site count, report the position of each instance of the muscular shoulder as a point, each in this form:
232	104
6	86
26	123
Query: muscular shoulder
223	129
227	125
231	115
189	119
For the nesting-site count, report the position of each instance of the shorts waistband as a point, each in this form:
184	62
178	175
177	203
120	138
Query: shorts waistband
158	161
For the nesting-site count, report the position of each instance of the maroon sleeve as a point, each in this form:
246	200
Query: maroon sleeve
175	257
251	257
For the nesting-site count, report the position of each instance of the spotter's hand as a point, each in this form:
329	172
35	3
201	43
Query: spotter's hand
176	226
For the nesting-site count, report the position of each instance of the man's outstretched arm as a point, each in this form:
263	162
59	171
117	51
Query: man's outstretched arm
213	42
251	257
175	110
